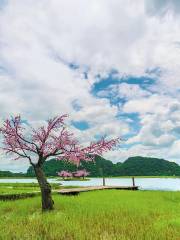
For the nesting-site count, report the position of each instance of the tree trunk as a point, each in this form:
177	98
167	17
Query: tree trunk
46	197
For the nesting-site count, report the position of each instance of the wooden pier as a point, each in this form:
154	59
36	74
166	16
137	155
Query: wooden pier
75	191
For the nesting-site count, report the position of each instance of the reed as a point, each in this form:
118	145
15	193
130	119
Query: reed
101	215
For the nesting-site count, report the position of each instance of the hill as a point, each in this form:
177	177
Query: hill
133	166
144	166
100	164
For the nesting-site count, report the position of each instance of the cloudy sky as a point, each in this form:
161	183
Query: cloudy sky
113	65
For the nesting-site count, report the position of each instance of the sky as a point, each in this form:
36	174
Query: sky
113	66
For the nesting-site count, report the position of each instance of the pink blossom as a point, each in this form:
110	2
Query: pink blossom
53	140
65	174
81	173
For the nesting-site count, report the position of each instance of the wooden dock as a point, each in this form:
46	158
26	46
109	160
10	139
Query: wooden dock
75	191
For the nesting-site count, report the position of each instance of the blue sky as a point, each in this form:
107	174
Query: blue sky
113	67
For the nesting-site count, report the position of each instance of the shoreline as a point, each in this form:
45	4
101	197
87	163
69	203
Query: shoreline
54	177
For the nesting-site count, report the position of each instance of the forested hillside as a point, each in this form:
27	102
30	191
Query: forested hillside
143	166
133	166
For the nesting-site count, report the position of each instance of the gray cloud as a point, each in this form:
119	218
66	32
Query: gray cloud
162	7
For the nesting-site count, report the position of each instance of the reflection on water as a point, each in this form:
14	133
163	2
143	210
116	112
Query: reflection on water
169	184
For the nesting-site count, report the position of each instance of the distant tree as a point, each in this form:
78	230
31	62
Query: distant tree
50	140
65	174
81	173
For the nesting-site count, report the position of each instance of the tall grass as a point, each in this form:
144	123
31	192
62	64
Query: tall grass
98	215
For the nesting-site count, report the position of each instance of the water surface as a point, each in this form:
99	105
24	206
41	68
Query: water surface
164	184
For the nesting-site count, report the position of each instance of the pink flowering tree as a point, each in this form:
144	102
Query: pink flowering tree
65	174
39	144
81	173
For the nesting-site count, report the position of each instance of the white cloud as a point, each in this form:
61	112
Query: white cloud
156	103
38	39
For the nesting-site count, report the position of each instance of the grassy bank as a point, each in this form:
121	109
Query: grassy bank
99	215
15	188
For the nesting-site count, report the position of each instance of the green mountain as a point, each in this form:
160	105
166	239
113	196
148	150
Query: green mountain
53	166
96	167
133	166
144	166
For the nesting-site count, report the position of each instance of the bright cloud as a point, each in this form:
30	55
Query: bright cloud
54	54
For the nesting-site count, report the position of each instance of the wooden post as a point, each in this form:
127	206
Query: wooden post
133	181
104	181
102	174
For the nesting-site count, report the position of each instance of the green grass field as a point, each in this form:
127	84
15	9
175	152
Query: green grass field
98	215
18	188
15	188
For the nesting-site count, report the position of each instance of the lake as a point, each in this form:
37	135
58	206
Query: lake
163	184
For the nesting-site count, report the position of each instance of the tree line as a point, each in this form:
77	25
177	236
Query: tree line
133	166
